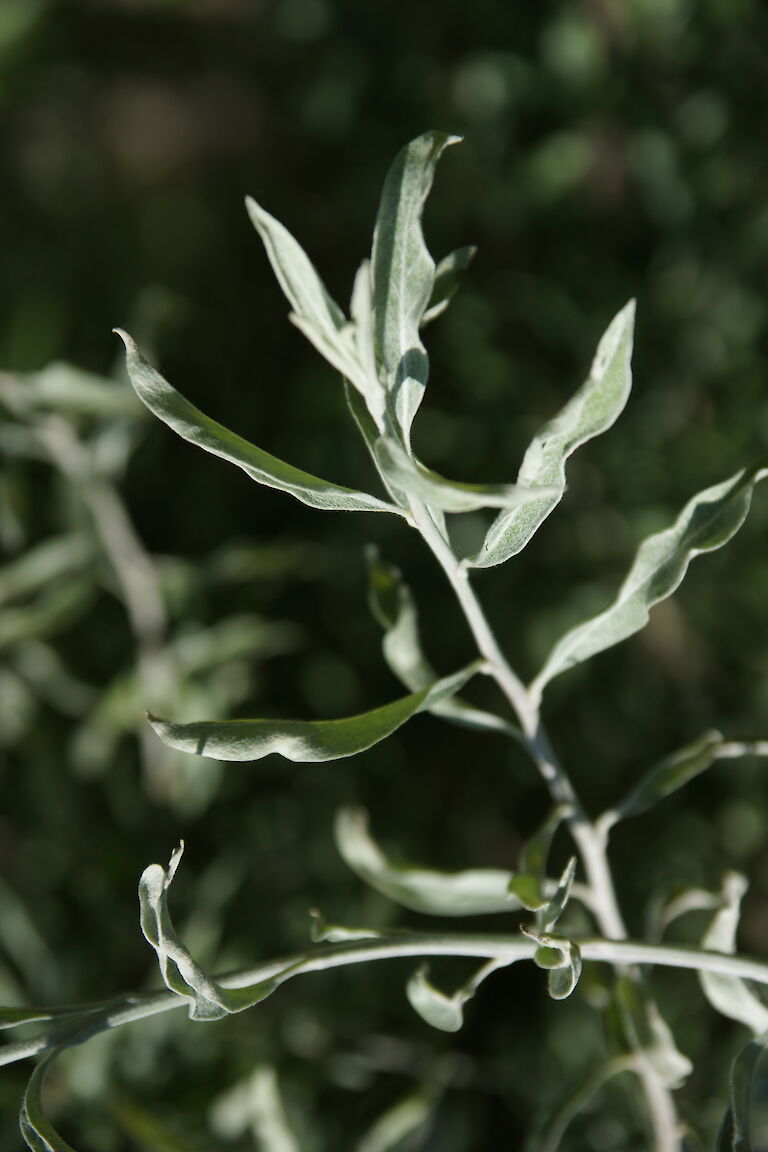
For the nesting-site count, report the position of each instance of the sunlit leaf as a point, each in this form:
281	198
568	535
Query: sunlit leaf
410	476
592	410
445	1012
193	425
404	273
469	893
729	994
304	741
447	278
707	522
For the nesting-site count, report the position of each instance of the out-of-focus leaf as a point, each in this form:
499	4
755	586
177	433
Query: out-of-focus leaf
666	777
65	388
399	1126
445	1012
255	1104
648	1033
736	1131
666	907
193	425
447	279
40	566
207	999
549	1136
404	273
146	1129
324	933
469	893
707	522
304	741
411	476
729	994
593	410
528	884
53	610
391	602
38	1132
560	957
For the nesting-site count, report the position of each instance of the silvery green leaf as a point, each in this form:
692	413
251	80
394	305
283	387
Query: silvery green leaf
305	741
445	1012
407	474
361	308
666	907
593	409
53	559
560	957
729	994
207	999
553	910
649	1034
38	1132
193	425
400	1124
404	273
446	283
707	522
392	604
736	1132
323	933
469	893
65	388
528	884
666	777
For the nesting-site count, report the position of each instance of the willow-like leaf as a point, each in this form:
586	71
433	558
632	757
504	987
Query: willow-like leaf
469	893
668	776
446	282
193	425
404	273
208	1000
305	741
412	477
528	885
593	409
728	994
445	1012
38	1132
707	522
392	604
736	1131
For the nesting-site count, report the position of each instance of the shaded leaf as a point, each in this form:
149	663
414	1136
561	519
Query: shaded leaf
402	1122
404	273
529	884
53	559
669	775
550	1138
445	1012
648	1033
729	994
324	933
736	1131
38	1132
446	282
593	409
560	957
707	522
304	741
469	893
193	425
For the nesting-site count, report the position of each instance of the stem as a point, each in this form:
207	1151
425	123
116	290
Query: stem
590	839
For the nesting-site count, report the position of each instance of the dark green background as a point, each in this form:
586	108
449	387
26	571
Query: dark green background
613	149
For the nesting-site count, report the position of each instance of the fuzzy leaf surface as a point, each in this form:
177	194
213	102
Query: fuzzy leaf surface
193	425
592	410
304	741
728	994
707	522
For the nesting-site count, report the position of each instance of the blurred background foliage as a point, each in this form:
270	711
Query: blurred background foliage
613	148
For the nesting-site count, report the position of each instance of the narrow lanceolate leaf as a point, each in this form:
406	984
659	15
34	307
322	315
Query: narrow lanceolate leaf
469	893
181	974
593	410
707	522
404	273
555	907
441	1011
668	776
446	283
529	885
728	994
412	477
304	741
648	1033
736	1131
38	1132
391	602
193	425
